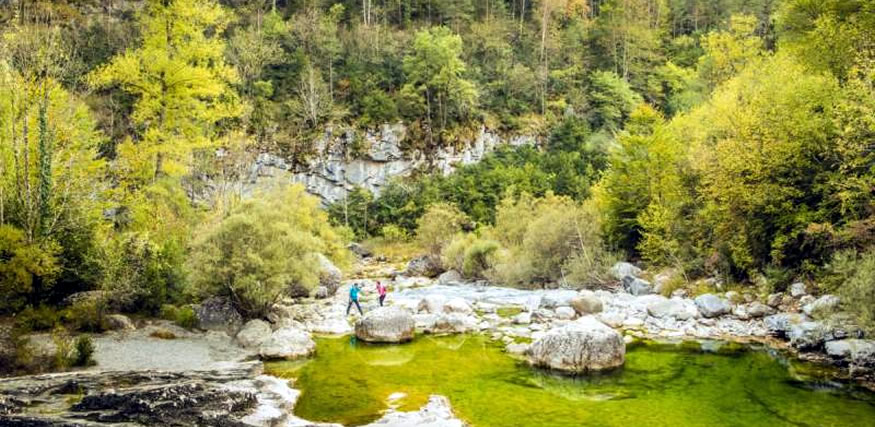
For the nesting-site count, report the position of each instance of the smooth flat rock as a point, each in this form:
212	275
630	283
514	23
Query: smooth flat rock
287	343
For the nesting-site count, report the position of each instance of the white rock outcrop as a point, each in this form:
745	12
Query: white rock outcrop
580	346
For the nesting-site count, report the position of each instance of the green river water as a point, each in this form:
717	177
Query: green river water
661	384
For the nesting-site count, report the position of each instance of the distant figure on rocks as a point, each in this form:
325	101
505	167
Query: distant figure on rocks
381	289
354	298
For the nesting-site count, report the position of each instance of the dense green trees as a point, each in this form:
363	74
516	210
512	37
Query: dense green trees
728	138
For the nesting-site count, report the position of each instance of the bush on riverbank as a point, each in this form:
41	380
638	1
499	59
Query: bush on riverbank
264	247
855	275
534	242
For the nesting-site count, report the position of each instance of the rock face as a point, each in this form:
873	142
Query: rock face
386	324
287	343
711	305
254	333
585	304
330	173
218	314
581	346
130	398
329	275
425	265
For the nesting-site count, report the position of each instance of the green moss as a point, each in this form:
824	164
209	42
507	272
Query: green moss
508	311
661	384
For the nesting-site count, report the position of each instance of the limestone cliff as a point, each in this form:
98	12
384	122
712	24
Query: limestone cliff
331	173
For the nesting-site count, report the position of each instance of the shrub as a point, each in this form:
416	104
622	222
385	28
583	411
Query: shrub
144	272
858	292
22	265
470	255
84	351
436	228
87	315
42	318
394	234
63	348
264	247
182	316
551	239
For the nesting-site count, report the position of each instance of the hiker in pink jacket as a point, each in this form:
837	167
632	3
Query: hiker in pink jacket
382	291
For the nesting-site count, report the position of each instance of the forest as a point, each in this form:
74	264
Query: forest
731	140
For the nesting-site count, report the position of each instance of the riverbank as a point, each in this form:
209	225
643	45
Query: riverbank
151	371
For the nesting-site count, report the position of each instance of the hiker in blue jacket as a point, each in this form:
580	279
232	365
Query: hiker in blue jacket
354	298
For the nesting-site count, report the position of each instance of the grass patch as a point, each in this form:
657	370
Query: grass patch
507	312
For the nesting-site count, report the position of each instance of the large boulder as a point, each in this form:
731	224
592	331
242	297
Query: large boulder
287	343
329	275
359	250
621	270
218	314
254	333
711	305
636	286
119	322
675	308
580	346
754	310
586	303
425	265
432	303
386	324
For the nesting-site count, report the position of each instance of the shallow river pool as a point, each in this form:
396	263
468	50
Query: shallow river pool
661	384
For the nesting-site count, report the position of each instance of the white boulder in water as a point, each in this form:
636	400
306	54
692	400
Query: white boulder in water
386	324
580	346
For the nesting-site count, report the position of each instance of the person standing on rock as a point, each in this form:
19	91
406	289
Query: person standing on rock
382	291
354	298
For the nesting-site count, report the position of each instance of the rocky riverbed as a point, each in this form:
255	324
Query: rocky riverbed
153	372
